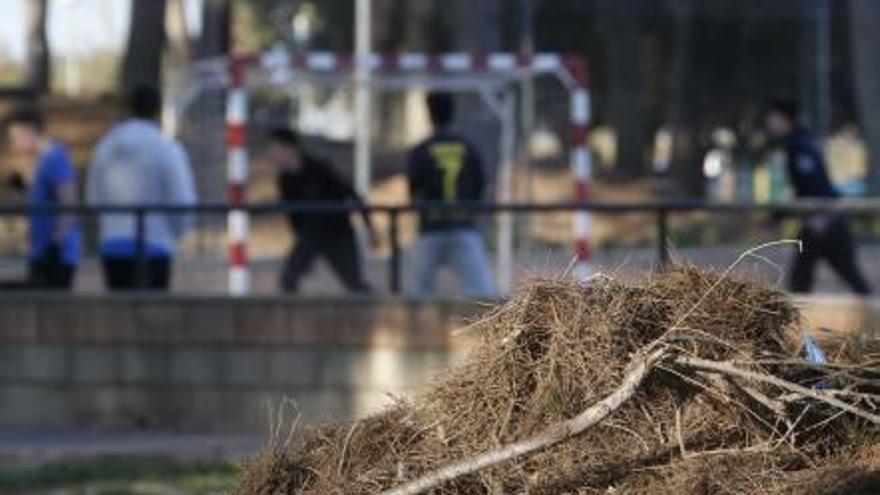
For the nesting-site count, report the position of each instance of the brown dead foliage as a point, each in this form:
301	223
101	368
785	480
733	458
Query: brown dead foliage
557	348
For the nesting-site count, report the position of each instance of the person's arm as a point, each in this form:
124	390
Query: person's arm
16	182
93	193
348	192
181	188
66	194
64	183
477	173
414	167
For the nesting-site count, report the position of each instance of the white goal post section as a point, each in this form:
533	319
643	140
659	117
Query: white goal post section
455	71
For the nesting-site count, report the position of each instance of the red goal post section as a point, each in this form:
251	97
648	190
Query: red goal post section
571	71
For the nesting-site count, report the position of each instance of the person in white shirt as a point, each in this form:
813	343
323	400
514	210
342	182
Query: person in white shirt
135	164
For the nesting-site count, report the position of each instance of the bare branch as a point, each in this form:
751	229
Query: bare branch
640	368
730	369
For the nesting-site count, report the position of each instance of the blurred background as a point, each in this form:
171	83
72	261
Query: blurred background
677	87
97	390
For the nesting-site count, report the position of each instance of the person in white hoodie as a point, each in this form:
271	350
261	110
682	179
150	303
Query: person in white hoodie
135	164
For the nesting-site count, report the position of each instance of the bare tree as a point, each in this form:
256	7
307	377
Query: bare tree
864	16
179	42
38	47
208	130
216	28
477	28
146	40
628	106
418	15
681	115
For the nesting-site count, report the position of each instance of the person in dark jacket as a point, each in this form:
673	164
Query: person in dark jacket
824	235
304	178
447	168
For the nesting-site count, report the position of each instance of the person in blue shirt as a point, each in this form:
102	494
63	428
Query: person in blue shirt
825	235
55	239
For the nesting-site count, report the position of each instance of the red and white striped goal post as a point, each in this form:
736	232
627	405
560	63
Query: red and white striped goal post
569	69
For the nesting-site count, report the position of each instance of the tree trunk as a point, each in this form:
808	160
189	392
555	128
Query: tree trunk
205	133
38	47
682	104
146	40
478	28
628	108
864	18
417	27
179	42
216	28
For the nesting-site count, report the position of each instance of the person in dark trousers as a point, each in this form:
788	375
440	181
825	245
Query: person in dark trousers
55	239
824	235
447	168
135	164
305	178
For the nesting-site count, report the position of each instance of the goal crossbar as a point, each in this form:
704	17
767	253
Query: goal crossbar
451	71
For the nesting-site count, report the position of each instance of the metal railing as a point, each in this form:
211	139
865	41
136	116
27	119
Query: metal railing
661	210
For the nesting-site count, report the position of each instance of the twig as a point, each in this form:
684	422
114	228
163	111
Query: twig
645	446
681	447
837	393
763	447
344	452
800	363
792	426
640	368
727	271
774	405
729	369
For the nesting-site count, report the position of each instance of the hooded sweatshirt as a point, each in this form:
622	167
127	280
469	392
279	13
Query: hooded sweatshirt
135	164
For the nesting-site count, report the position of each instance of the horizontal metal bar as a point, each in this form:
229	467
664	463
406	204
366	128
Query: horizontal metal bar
796	208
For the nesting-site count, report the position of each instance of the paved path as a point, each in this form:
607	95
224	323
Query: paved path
208	274
30	448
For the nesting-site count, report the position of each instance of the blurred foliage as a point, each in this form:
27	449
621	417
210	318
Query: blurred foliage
268	21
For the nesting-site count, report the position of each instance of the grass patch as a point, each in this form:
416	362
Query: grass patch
119	476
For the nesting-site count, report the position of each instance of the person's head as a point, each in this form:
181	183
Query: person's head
781	117
441	108
284	150
25	128
144	102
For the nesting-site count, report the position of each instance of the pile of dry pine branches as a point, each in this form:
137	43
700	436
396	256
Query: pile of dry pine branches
684	382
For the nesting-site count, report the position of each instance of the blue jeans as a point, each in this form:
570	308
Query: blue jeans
461	249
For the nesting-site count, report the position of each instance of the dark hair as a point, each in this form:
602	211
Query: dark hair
285	136
28	115
144	102
441	107
790	109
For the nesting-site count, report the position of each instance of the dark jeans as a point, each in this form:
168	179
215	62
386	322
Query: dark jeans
341	253
834	242
50	272
121	274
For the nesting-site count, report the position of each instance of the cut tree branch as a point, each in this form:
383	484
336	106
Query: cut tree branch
639	369
731	370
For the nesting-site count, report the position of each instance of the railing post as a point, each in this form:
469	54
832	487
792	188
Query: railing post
140	249
394	234
662	235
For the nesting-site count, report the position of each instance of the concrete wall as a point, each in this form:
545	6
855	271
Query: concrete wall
212	364
216	364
